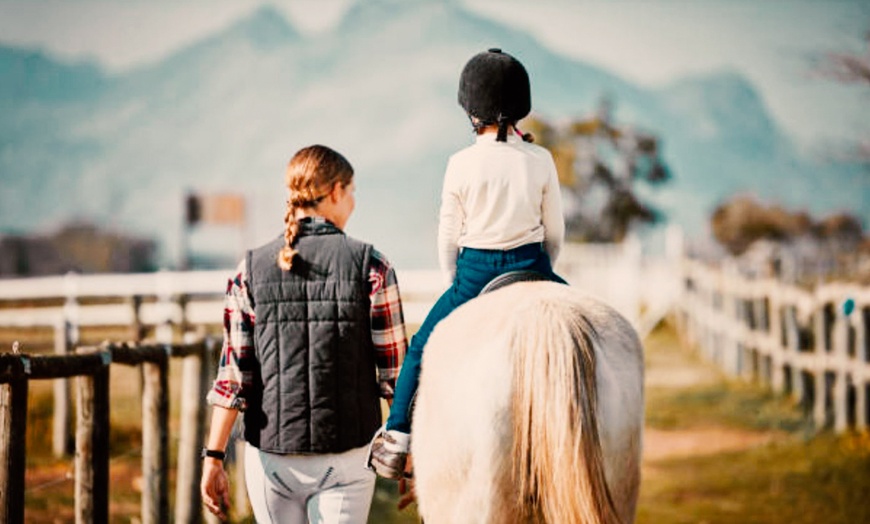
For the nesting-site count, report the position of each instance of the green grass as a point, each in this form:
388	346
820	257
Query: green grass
727	403
384	505
716	399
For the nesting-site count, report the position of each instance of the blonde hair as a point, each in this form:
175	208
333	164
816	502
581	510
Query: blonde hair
311	175
558	461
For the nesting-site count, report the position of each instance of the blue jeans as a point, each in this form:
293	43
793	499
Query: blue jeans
474	269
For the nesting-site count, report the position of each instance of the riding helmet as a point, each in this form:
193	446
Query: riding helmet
494	88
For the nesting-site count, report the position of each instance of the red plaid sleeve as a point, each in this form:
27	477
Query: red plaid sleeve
234	377
388	322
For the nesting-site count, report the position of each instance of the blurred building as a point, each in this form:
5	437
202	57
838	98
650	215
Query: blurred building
83	248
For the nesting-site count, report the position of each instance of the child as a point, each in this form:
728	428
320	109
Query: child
501	211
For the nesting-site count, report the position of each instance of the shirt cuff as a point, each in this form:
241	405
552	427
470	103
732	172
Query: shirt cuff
228	400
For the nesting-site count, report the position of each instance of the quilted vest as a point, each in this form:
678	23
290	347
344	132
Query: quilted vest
315	390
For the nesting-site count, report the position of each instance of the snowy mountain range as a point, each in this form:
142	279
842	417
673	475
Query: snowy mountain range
227	112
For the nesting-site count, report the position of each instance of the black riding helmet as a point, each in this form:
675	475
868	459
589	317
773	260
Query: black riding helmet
494	88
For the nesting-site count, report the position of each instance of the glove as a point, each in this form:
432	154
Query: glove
388	453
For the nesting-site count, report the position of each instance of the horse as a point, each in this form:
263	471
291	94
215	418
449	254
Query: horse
530	409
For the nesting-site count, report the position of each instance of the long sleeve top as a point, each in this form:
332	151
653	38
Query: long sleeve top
387	326
499	195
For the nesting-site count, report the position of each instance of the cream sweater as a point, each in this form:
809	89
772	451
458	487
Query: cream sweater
499	195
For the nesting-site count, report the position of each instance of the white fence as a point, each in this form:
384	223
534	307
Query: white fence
615	273
810	344
154	299
166	304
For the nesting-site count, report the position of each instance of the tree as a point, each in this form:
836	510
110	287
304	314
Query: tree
599	162
739	222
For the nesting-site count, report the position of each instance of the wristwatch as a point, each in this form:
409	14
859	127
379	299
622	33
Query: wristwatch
213	453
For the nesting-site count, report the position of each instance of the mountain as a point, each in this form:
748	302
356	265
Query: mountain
708	105
227	112
31	74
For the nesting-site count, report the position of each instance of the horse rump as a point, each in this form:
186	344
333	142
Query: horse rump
529	409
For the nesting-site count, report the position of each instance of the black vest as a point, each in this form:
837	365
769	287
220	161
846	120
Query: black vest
316	389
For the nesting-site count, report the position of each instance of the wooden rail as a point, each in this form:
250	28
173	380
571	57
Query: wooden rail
812	344
92	367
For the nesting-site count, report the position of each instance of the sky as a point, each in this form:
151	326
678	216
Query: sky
651	43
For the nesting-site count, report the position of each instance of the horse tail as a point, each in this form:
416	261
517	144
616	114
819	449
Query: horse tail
558	464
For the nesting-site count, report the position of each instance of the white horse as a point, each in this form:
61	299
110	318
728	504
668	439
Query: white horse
530	409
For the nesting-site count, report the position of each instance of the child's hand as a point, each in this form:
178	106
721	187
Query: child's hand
388	453
406	485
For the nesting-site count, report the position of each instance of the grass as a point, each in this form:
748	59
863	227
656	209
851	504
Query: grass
731	404
49	484
708	397
825	479
797	476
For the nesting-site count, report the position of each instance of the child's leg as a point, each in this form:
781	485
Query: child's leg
470	279
409	376
474	269
544	266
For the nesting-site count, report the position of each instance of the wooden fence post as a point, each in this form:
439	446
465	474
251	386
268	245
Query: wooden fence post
792	330
779	346
820	415
155	414
13	425
195	374
841	386
61	424
155	447
862	346
66	337
137	328
92	446
734	349
210	363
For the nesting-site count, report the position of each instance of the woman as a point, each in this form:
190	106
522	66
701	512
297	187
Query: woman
309	318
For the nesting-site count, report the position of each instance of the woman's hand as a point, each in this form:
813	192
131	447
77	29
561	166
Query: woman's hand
215	487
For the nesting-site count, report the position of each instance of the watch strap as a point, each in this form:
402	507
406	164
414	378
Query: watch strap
213	453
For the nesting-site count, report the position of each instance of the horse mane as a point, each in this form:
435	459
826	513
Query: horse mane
558	467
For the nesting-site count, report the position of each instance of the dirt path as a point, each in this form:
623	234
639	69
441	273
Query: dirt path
660	444
674	368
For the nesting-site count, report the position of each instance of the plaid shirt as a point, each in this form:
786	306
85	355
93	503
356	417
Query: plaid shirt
388	334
